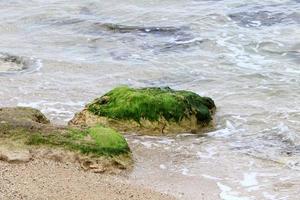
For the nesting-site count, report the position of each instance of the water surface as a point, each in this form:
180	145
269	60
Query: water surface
244	54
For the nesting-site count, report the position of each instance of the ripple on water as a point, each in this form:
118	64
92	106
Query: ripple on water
140	43
275	48
184	44
257	19
278	144
263	16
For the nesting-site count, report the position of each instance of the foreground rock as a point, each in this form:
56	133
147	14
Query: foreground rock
149	111
15	156
26	133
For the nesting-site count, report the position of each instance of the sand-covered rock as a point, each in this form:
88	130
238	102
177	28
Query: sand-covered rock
149	111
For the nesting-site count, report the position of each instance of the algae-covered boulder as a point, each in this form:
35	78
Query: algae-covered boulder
149	111
28	130
96	141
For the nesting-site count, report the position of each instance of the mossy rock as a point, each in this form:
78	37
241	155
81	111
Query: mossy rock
28	127
95	141
149	111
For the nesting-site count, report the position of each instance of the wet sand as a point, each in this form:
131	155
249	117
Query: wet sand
46	179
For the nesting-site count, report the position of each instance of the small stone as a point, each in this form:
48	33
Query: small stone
94	166
99	170
15	156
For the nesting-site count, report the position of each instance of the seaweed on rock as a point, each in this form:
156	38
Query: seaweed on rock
97	141
151	104
157	109
29	127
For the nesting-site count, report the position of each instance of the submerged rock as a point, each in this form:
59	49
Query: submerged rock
10	64
27	129
149	111
257	19
145	29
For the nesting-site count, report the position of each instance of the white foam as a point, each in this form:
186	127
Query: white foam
47	103
162	166
228	194
239	118
284	131
39	64
269	196
221	133
249	179
210	177
268	174
147	144
184	171
254	188
135	141
283	128
208	154
56	111
54	108
166	141
255	23
189	41
185	135
229	125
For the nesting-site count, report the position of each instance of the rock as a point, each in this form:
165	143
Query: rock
30	127
145	29
12	64
149	111
99	170
24	130
97	141
21	117
15	156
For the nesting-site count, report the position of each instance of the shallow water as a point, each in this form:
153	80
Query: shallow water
244	54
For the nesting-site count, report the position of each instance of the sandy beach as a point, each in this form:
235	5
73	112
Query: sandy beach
47	179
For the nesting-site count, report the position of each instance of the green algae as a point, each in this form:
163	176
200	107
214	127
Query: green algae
95	141
29	127
152	104
98	141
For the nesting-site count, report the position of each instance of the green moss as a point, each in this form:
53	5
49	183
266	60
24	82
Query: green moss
152	104
97	141
27	126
